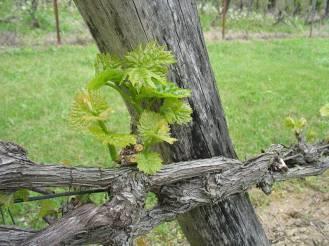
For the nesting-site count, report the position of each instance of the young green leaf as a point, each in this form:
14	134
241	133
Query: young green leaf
300	124
147	65
176	111
142	77
295	124
151	56
119	140
311	135
47	207
114	75
149	162
153	128
166	90
324	110
289	122
106	61
88	107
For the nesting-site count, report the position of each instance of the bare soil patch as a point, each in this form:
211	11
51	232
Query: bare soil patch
8	38
12	39
298	218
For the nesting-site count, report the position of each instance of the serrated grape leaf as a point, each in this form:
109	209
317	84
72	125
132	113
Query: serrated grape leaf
154	128
106	61
311	135
295	124
324	110
149	162
176	111
151	56
300	123
119	140
142	77
147	65
289	122
88	107
114	75
164	90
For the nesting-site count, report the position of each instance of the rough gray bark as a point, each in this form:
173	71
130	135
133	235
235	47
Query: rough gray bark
120	25
183	187
10	235
17	172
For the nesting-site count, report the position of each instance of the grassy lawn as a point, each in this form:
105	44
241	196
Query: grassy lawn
260	83
263	82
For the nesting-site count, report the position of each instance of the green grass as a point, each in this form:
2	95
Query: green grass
37	88
260	83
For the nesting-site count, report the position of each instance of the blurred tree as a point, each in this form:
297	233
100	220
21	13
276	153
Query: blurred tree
33	10
297	7
326	9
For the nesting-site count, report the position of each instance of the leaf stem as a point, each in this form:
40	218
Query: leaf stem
110	147
127	97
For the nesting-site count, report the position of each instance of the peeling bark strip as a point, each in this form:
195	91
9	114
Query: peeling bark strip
181	187
119	26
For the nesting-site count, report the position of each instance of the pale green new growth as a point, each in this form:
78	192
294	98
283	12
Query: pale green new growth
168	90
149	162
299	125
176	111
88	108
154	128
295	124
119	140
141	79
113	76
324	111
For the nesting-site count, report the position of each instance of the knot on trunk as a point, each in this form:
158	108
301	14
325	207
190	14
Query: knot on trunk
128	199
